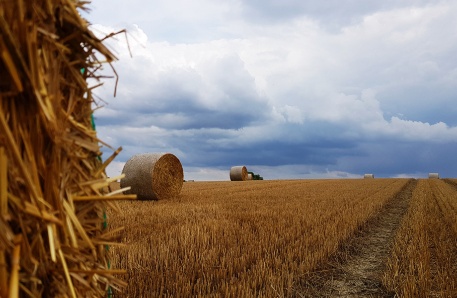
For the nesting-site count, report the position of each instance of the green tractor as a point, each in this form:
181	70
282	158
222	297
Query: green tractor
252	176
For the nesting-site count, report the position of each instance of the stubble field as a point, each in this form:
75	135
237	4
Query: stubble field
291	238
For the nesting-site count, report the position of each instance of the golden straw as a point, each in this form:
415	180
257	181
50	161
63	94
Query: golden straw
3	183
14	278
105	198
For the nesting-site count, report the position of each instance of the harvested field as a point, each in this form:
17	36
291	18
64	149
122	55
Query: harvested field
291	238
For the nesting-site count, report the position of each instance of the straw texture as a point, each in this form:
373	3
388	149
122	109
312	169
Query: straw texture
153	176
52	243
238	173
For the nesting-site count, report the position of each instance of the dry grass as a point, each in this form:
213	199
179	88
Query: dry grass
232	239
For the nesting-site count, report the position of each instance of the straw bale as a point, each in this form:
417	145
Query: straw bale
368	176
434	176
113	186
153	176
51	245
250	176
238	173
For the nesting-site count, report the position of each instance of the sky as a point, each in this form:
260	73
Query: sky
292	89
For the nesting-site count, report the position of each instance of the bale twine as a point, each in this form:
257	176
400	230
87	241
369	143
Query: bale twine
153	176
433	176
368	176
238	173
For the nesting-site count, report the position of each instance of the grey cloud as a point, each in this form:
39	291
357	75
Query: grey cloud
216	94
423	103
330	14
190	119
296	144
389	159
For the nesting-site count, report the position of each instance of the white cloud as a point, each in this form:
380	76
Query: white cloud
292	114
419	131
206	174
115	168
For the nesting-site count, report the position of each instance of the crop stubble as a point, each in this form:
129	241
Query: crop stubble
357	269
257	238
423	262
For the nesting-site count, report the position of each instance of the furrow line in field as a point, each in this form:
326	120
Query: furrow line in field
356	270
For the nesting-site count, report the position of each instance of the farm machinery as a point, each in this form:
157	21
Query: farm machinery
252	176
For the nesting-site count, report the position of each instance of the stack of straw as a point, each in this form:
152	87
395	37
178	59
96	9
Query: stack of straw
52	240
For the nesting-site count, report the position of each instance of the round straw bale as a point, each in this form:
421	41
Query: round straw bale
249	176
433	176
113	186
368	176
238	173
153	176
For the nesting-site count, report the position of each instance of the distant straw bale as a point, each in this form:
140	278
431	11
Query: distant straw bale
433	176
153	176
368	176
238	173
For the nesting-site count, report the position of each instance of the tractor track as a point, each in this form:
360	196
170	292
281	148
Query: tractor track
356	269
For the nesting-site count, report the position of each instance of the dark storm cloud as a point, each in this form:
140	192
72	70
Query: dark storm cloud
275	153
389	159
191	119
